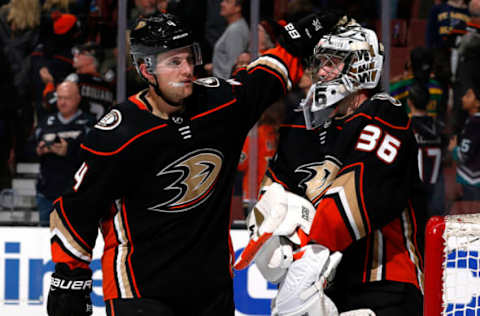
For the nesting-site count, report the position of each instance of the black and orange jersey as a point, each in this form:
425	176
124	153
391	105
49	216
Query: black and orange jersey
432	143
361	174
267	145
160	190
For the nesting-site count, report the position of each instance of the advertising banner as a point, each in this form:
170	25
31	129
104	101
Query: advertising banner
26	266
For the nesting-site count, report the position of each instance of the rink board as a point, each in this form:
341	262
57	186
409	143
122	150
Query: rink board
26	266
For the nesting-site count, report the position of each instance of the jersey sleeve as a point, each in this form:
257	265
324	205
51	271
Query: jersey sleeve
75	218
264	81
379	172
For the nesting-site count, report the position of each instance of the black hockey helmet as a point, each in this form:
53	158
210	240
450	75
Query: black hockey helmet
157	34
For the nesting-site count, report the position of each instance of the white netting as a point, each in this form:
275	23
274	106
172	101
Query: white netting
461	267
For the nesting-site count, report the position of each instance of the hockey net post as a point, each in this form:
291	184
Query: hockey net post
452	267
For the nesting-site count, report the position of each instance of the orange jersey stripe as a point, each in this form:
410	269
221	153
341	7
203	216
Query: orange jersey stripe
328	227
214	110
108	259
101	153
58	255
124	212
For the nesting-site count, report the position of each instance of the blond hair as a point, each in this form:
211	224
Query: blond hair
62	5
23	14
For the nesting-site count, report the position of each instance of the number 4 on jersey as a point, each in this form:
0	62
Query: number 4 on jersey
370	138
79	175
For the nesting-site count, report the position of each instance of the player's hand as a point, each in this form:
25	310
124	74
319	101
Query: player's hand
299	38
70	292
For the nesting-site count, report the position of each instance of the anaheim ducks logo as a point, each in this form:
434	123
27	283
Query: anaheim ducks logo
311	170
319	176
198	172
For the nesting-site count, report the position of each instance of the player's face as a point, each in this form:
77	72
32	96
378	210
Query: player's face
331	68
68	98
174	72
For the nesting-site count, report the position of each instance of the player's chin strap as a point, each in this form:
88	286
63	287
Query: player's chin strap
162	95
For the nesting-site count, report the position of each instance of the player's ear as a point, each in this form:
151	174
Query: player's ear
145	72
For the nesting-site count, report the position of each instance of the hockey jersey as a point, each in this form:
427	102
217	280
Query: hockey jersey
360	172
431	141
56	172
160	190
467	152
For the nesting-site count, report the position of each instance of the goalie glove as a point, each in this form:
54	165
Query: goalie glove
301	292
299	38
70	292
265	217
297	222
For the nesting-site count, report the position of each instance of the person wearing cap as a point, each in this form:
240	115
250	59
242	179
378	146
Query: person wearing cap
53	56
466	148
96	92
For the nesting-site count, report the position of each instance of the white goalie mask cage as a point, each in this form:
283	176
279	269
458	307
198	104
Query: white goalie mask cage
342	63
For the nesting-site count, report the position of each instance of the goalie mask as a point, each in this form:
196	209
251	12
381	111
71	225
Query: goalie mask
342	63
157	34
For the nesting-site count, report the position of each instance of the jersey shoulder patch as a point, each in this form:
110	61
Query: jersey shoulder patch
119	128
110	121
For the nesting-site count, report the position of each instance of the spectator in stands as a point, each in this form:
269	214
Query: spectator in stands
233	41
442	19
58	143
432	145
468	63
19	34
96	92
215	25
466	151
142	8
7	122
267	139
420	70
60	32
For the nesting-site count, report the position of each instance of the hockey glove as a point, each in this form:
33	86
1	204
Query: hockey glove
265	217
70	292
299	38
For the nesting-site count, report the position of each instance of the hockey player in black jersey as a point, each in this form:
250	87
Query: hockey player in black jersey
158	174
342	194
